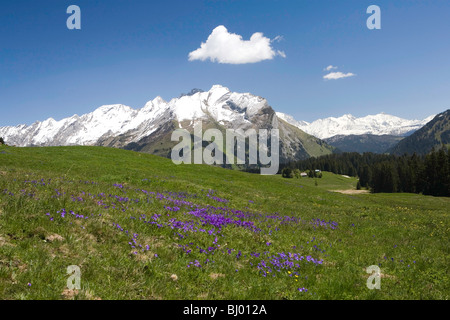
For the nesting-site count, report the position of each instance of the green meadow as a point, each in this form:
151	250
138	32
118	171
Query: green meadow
140	227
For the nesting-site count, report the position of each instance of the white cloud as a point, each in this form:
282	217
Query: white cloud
337	75
330	67
224	47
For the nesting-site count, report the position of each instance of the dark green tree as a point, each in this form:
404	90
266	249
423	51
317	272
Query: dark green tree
384	178
365	176
441	183
431	174
287	173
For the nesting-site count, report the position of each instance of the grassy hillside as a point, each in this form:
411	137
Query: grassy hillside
432	135
140	227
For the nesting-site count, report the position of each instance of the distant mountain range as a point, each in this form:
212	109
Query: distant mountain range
149	129
372	133
379	124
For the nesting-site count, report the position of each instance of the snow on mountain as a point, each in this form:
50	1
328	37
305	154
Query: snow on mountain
380	124
291	120
218	103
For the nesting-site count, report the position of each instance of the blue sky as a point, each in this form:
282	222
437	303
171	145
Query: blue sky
129	52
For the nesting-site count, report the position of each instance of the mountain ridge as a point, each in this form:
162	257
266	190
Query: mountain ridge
434	134
379	124
363	142
148	128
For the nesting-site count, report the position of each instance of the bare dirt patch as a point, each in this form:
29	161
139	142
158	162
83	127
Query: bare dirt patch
69	294
203	296
65	251
214	276
351	191
91	296
5	242
54	237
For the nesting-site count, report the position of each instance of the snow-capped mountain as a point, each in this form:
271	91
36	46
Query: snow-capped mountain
380	124
290	119
149	128
112	120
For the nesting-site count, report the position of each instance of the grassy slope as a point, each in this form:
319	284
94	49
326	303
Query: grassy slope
434	134
406	234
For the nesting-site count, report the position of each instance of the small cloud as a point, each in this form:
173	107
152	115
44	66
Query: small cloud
277	39
338	75
281	54
224	47
330	67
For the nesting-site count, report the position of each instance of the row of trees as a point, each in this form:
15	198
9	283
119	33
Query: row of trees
2	142
428	174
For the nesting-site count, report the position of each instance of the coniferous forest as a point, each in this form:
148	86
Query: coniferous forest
429	174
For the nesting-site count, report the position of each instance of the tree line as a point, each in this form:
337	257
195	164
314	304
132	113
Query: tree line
429	174
287	172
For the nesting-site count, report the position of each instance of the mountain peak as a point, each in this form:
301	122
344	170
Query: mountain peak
110	107
192	92
348	116
218	87
156	103
158	100
49	120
